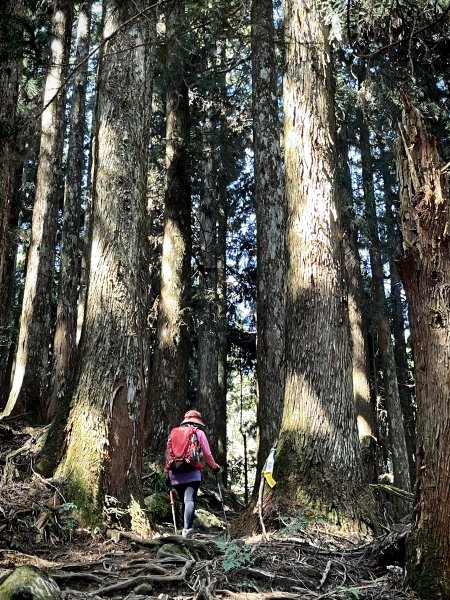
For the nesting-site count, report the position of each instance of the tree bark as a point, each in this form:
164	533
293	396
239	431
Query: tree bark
424	266
31	371
270	223
64	344
318	455
104	432
169	375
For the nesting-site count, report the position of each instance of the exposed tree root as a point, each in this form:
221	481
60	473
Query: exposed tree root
298	558
134	582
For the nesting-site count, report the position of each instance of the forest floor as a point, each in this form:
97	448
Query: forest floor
298	560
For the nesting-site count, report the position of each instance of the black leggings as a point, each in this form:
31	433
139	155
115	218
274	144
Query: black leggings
187	493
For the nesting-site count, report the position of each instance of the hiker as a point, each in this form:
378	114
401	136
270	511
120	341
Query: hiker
186	478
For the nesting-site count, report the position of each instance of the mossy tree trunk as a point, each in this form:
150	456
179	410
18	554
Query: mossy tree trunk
31	370
64	344
167	394
318	459
424	267
270	222
104	432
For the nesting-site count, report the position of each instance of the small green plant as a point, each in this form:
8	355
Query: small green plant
14	544
58	523
352	593
65	511
291	525
67	507
236	556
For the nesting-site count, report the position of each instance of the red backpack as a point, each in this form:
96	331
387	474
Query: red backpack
183	450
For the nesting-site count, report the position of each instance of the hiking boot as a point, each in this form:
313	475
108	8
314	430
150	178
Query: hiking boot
187	532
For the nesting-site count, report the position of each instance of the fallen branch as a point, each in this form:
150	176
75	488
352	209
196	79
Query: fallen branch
325	574
260	508
256	596
394	491
267	575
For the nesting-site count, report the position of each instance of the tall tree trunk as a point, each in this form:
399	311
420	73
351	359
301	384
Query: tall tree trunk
169	374
212	328
221	398
87	217
404	376
11	32
31	372
394	413
424	267
223	180
207	300
318	455
270	222
364	400
104	433
66	315
9	307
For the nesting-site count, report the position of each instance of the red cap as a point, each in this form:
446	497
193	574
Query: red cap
193	416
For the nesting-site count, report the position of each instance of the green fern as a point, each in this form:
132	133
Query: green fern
236	556
352	593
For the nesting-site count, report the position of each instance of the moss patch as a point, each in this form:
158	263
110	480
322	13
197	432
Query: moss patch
29	582
173	550
206	519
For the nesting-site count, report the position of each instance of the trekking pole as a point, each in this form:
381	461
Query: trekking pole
172	503
223	505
